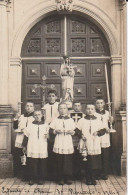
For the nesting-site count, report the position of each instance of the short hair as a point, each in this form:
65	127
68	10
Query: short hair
76	101
99	98
38	110
62	103
90	104
52	91
30	101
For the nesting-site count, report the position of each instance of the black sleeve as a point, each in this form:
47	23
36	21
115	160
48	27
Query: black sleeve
101	132
78	133
51	135
25	141
51	132
15	124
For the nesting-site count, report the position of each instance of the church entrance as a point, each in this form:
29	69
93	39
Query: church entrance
75	37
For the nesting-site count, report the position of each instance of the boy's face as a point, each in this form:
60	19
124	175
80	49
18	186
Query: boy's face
29	107
63	110
90	110
77	107
38	115
52	98
100	104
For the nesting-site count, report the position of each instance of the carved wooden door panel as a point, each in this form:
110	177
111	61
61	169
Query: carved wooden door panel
42	53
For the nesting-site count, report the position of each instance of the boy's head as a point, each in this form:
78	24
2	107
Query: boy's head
77	106
100	103
90	109
38	115
29	107
63	109
52	96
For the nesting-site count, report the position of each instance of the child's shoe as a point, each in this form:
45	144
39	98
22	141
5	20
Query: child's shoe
104	177
68	182
61	182
88	182
31	182
40	182
93	182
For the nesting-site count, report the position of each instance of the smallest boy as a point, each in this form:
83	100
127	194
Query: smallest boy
35	139
63	128
91	129
77	166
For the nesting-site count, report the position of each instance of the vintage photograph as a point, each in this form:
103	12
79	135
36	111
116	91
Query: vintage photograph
63	76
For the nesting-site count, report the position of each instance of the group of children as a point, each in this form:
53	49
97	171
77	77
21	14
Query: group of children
56	143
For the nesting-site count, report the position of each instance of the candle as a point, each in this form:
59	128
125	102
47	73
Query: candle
106	76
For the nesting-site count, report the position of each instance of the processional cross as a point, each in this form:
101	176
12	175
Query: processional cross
76	116
44	86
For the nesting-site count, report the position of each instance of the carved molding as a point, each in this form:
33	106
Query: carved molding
64	5
15	61
6	1
116	60
122	3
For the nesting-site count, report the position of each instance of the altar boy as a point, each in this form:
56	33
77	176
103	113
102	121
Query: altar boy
35	139
103	116
19	124
51	108
63	128
51	112
77	165
91	129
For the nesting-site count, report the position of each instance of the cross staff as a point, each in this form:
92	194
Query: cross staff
43	86
19	114
109	103
19	107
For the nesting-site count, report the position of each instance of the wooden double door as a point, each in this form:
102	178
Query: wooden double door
43	50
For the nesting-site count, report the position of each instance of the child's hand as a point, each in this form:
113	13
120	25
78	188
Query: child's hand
46	136
111	119
17	116
107	130
95	133
83	138
70	132
58	131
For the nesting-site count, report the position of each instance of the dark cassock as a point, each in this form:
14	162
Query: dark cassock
63	146
77	158
19	125
92	130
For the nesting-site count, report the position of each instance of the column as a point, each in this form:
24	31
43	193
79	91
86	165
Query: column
15	73
122	143
121	114
123	50
6	113
3	53
116	62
